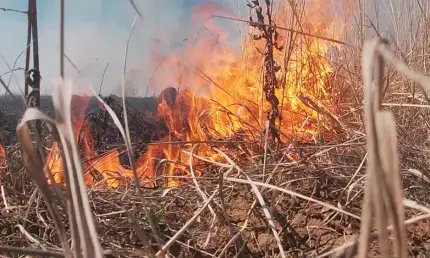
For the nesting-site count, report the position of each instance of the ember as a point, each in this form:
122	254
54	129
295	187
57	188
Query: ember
233	105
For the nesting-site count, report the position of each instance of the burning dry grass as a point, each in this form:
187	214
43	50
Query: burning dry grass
306	226
301	200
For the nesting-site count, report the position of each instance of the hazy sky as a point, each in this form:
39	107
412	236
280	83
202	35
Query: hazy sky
96	33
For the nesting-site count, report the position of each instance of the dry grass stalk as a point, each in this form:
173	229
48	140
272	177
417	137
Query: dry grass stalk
84	236
125	133
292	193
133	4
118	124
287	29
383	190
202	194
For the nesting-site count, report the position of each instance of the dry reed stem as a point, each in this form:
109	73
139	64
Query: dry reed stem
128	140
6	88
80	207
351	185
202	194
34	166
133	4
30	238
125	133
31	252
414	205
128	146
84	236
62	39
13	69
383	195
3	195
103	78
286	29
266	136
419	174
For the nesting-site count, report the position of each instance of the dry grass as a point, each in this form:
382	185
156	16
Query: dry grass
335	199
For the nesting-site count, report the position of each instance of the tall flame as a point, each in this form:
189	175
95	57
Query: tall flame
221	97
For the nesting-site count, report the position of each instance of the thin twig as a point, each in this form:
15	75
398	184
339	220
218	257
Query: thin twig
28	251
286	29
62	38
103	77
280	189
178	234
12	10
133	4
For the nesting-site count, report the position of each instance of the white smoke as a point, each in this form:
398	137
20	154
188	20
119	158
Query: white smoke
93	40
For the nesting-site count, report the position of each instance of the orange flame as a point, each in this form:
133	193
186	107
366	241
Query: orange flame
221	98
3	162
233	80
54	160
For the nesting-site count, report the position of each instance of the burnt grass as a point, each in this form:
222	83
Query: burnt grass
321	170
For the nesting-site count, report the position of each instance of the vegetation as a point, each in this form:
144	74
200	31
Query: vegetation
360	185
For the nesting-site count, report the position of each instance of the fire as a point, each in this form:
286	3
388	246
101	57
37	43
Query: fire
55	164
54	161
3	161
232	80
111	169
221	97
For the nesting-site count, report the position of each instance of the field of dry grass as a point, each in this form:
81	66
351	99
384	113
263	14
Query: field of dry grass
361	187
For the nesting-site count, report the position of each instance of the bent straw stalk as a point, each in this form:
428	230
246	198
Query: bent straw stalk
85	242
384	192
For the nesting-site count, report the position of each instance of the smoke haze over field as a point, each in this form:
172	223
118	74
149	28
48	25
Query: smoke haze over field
97	31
